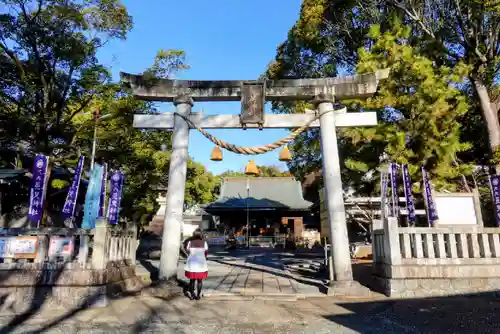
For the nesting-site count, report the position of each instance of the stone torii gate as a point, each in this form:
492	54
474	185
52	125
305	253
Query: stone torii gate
253	94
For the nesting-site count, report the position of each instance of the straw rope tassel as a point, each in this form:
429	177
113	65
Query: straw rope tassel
257	149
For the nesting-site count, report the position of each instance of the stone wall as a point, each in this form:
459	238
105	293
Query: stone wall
421	262
429	287
64	286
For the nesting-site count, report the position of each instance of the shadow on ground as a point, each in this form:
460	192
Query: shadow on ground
14	317
471	313
12	321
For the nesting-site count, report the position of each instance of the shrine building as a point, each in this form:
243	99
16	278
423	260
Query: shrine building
270	206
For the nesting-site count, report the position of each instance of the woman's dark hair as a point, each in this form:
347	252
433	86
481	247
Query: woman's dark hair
197	234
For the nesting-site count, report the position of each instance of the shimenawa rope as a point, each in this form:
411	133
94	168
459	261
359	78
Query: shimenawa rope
257	149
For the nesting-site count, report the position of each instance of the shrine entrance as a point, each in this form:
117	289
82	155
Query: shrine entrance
260	211
327	115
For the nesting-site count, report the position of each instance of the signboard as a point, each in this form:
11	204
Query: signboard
325	225
18	247
61	247
216	241
252	103
456	209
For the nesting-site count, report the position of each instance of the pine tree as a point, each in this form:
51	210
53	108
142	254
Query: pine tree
419	109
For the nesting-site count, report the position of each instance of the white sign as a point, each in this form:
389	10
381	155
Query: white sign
4	248
18	247
61	247
216	241
456	210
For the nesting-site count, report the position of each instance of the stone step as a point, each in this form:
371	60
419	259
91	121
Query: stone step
261	295
252	296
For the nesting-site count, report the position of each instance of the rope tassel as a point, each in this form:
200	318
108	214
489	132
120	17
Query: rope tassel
257	149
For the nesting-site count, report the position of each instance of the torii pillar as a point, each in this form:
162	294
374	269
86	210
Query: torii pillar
334	194
322	92
172	224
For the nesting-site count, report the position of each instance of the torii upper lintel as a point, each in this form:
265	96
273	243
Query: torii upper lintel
362	85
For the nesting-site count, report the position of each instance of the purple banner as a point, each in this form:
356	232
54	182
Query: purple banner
102	207
432	215
495	194
115	197
410	206
384	189
70	203
393	168
37	191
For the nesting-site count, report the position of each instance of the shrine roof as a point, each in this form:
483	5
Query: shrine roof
264	193
11	173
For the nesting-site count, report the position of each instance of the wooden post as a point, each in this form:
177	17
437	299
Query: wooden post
172	225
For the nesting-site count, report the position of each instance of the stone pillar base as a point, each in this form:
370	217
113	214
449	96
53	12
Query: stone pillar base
348	289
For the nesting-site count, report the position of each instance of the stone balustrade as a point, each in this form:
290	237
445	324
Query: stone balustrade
75	248
415	261
71	266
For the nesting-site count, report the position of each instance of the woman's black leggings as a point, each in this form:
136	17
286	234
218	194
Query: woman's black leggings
199	286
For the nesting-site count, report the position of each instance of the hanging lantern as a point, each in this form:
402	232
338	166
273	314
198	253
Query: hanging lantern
285	154
251	168
216	154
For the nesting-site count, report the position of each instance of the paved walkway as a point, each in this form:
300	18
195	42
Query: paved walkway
256	273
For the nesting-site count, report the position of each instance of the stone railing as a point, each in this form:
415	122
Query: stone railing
434	261
72	266
75	248
448	246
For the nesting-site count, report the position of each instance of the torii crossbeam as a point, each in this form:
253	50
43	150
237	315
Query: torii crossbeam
253	94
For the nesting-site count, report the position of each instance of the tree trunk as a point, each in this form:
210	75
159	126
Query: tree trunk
490	117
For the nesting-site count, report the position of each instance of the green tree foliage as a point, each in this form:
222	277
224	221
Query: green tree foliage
49	67
51	83
456	37
137	153
143	155
419	108
201	185
265	171
326	37
323	43
455	31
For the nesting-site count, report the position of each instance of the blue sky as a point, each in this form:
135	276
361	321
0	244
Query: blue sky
232	40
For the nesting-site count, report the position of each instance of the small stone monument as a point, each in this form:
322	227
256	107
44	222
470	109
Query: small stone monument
156	224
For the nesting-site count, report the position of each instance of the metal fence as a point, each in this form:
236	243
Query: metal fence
255	241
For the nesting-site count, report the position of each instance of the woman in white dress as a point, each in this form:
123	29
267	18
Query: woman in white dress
196	268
